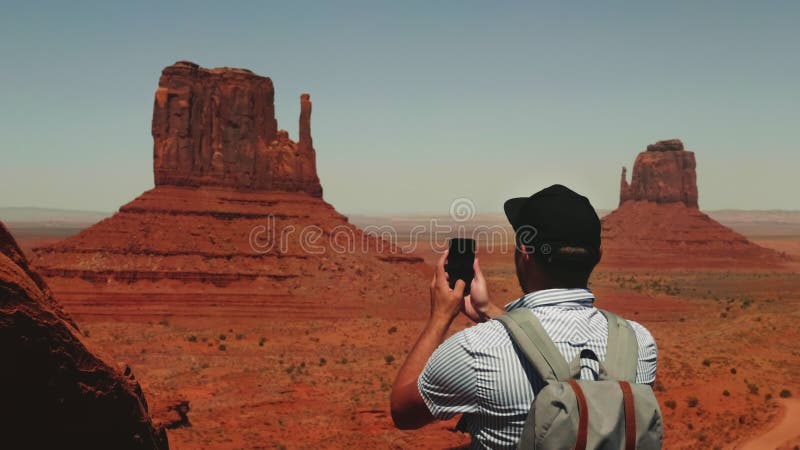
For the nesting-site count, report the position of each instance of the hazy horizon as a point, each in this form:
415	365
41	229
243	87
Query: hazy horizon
417	103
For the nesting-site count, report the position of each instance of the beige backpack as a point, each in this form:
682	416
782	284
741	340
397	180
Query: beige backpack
612	412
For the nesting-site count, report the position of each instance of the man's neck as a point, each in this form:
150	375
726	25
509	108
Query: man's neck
534	287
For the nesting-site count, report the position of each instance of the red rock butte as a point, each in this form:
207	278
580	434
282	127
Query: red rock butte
659	223
217	127
236	214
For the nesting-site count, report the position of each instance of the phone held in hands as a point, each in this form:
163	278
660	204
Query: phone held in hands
459	263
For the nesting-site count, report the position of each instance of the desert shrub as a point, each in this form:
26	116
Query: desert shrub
707	362
323	361
389	359
222	337
222	347
342	361
192	338
726	393
692	401
163	322
767	397
239	337
262	341
658	386
85	332
753	388
671	404
733	370
785	393
393	330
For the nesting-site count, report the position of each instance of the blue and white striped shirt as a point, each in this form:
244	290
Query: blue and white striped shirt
478	373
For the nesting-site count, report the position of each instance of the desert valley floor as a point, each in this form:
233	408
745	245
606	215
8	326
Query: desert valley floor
259	373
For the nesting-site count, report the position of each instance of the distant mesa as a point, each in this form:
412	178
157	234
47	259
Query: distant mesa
225	174
665	173
56	392
658	221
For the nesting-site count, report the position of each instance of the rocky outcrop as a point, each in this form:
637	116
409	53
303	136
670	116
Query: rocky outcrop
217	127
658	222
669	145
665	173
55	392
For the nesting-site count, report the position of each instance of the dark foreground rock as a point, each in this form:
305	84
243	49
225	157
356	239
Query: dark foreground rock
54	391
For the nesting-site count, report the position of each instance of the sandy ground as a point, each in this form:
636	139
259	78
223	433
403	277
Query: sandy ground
305	375
784	433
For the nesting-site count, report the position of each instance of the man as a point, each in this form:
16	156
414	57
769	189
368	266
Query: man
478	372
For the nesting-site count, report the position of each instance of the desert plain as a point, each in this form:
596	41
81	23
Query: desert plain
261	372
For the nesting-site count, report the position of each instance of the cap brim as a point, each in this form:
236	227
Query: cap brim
512	208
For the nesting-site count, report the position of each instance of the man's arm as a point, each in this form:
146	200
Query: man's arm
409	410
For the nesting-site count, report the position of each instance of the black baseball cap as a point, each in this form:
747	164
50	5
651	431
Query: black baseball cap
553	218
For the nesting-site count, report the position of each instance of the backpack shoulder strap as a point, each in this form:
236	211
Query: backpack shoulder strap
527	332
622	352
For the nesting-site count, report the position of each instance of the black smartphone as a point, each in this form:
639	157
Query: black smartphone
459	262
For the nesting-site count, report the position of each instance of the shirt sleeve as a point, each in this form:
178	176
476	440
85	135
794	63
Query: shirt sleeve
648	355
447	384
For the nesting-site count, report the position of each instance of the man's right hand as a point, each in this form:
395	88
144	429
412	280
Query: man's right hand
477	305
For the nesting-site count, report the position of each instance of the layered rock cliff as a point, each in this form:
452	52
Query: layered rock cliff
665	173
56	393
217	127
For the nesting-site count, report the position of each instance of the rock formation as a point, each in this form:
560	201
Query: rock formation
658	220
236	213
55	392
665	173
217	127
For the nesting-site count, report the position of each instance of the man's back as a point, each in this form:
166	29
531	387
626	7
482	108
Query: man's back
478	371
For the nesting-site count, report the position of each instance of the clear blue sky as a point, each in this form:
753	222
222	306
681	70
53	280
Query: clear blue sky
416	103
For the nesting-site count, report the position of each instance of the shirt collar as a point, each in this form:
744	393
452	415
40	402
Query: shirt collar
548	297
